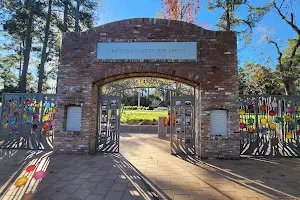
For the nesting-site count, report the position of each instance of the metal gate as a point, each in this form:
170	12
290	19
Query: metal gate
108	124
270	125
27	121
182	125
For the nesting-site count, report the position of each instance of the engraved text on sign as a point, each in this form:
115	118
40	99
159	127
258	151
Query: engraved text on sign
147	51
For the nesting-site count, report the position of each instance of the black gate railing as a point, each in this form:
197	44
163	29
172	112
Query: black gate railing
270	125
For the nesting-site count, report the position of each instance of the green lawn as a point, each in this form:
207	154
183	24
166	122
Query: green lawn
142	116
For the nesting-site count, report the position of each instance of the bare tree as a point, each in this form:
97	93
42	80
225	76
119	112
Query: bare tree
286	69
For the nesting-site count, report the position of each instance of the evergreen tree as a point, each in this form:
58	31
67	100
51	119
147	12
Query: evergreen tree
232	20
257	79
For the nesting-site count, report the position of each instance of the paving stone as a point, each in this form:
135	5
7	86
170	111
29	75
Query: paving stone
78	181
61	196
60	184
94	197
129	194
213	192
100	190
95	178
69	189
130	198
81	193
197	195
122	179
88	185
92	169
233	195
217	198
166	194
47	193
194	186
50	180
182	197
69	177
60	174
209	186
42	186
111	176
113	195
164	185
180	189
86	175
118	187
76	172
106	183
246	193
226	187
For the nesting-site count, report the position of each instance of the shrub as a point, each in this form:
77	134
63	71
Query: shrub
135	107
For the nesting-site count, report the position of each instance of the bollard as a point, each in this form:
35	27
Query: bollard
162	127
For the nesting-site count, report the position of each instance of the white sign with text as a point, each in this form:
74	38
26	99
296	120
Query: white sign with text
147	51
73	118
218	123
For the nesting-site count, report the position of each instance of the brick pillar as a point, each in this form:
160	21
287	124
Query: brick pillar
219	146
94	119
73	94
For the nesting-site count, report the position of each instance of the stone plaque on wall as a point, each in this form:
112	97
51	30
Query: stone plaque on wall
73	118
218	123
147	51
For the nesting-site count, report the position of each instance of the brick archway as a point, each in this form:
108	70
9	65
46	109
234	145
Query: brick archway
213	74
109	79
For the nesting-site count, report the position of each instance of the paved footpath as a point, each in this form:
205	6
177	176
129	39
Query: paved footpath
145	170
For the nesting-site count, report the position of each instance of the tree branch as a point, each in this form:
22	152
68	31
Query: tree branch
291	23
294	52
284	18
278	51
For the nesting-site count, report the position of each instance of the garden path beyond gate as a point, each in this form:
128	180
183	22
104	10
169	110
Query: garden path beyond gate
27	121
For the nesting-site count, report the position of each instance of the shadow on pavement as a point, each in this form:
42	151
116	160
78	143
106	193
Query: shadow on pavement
276	178
102	176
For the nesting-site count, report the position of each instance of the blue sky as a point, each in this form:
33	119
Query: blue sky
257	51
114	10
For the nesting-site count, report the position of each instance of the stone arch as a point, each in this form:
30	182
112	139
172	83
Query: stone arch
213	74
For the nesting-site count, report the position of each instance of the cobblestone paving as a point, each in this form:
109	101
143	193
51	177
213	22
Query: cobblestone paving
145	170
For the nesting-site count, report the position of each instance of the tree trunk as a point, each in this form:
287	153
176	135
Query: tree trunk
77	15
66	11
288	85
44	55
177	89
27	52
227	15
139	99
20	64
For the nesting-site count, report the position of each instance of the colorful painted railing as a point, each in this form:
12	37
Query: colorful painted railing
270	125
27	121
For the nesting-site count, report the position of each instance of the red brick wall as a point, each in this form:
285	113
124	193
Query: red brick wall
214	75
